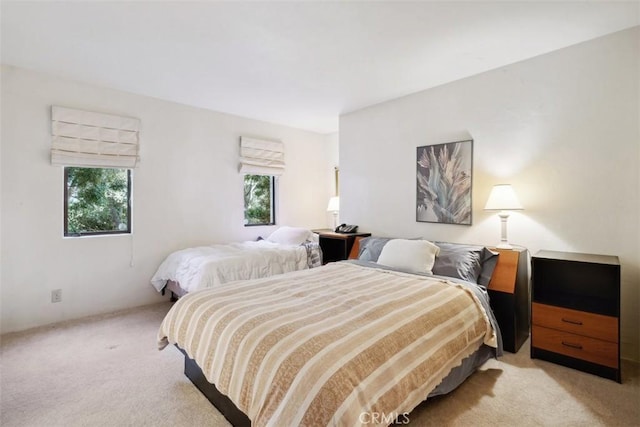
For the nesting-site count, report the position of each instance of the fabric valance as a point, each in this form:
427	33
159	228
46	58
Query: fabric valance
88	139
261	157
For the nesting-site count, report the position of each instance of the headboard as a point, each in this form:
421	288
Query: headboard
355	249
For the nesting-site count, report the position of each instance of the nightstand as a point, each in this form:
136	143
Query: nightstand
336	246
509	296
575	311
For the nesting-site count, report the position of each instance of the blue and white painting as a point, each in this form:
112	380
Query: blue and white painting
444	183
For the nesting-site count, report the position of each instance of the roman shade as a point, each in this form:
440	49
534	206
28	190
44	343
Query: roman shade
88	139
261	157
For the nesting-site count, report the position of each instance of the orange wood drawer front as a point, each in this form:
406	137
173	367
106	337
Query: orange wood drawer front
585	348
578	322
504	274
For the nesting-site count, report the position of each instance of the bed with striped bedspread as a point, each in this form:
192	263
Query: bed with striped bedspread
327	345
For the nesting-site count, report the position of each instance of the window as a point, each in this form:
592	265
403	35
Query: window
97	201
259	196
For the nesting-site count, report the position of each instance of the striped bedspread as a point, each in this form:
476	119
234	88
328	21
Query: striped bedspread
328	346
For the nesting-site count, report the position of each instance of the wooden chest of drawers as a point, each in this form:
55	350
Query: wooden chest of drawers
578	334
575	311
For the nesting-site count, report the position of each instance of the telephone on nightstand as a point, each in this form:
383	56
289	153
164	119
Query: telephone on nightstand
346	228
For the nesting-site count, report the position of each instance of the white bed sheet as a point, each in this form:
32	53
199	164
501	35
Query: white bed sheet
207	266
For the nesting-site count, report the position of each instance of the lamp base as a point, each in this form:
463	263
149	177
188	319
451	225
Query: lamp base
503	245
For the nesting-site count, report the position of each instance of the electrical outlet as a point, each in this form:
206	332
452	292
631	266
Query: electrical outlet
56	295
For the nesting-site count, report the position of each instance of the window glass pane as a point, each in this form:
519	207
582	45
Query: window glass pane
258	200
97	201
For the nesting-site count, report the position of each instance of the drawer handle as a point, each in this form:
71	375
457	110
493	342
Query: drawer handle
568	344
573	322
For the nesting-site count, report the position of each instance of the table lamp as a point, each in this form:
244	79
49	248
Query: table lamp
502	198
334	206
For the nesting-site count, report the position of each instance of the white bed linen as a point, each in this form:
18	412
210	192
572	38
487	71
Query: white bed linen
207	266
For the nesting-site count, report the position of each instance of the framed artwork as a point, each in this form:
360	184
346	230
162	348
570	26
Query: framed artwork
443	192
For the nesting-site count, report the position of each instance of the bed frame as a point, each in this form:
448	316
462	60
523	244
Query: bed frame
222	403
175	289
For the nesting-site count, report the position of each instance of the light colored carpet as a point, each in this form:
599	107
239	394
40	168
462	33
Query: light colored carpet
107	371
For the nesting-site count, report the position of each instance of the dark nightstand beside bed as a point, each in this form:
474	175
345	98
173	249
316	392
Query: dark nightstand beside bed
509	296
575	311
336	246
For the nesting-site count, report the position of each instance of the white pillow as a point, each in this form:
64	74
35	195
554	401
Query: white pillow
412	255
290	236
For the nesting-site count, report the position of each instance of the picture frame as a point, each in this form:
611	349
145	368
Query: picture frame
444	179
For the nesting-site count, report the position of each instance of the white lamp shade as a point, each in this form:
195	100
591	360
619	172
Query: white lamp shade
503	198
334	204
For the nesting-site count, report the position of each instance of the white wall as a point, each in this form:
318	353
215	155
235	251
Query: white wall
563	128
186	191
334	142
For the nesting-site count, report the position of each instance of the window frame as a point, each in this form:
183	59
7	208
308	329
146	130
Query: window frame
273	201
65	218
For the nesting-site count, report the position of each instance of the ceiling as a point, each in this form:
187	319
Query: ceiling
299	64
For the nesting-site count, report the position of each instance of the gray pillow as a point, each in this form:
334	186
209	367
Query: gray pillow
472	263
489	261
371	247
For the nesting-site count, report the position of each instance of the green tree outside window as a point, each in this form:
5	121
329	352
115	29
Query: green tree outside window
258	200
97	201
